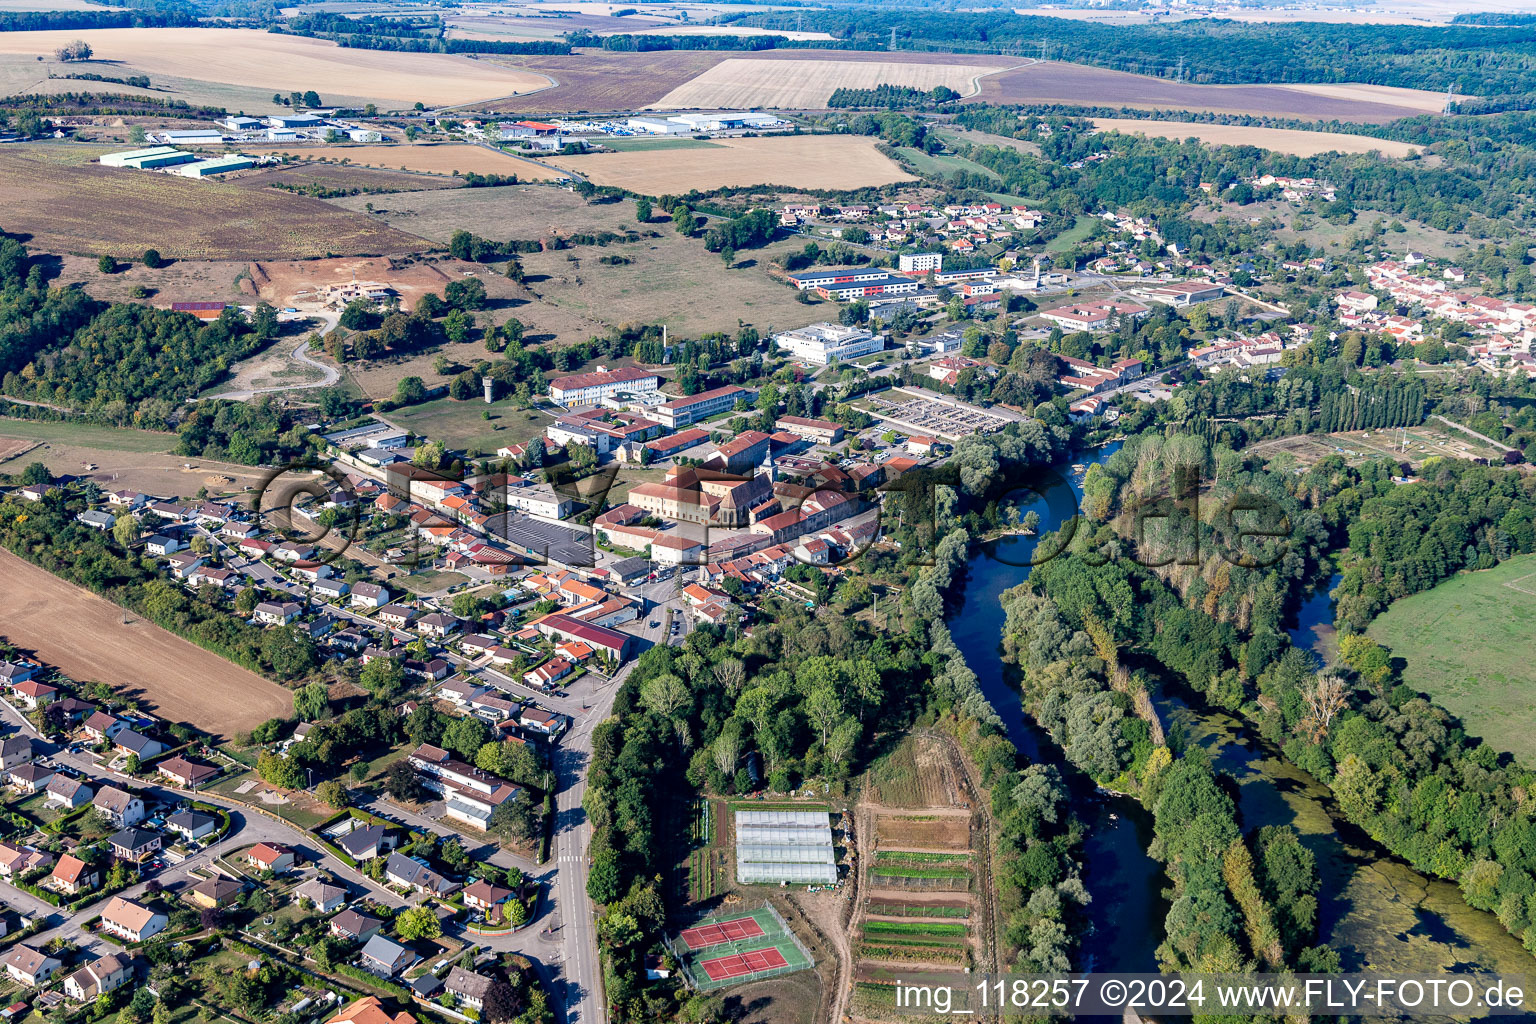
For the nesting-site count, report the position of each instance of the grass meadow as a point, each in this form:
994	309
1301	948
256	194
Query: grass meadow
1468	644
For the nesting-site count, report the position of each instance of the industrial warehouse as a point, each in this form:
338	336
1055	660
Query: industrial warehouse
177	161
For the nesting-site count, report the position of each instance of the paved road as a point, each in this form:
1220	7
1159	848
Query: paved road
571	910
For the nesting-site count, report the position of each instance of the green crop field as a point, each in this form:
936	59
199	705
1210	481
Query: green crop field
463	424
901	871
943	165
1468	644
1070	237
88	435
913	928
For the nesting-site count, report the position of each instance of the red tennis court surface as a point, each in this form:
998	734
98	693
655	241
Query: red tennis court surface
708	935
736	965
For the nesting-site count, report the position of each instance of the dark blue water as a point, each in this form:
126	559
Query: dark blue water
1313	631
1128	908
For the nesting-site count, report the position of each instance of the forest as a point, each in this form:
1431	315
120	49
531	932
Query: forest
1212	624
61	347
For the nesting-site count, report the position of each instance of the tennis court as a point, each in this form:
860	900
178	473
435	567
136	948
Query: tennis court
742	948
738	964
708	935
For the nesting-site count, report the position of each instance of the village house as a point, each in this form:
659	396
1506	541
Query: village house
15	750
277	613
366	842
132	921
540	721
547	673
67	793
119	808
28	779
323	896
27	966
385	957
186	773
105	974
415	874
31	694
16	861
192	824
369	1010
102	726
467	988
73	876
483	895
133	743
216	892
352	926
369	595
396	615
134	845
273	857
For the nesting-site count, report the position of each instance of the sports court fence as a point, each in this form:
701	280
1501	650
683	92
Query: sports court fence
737	960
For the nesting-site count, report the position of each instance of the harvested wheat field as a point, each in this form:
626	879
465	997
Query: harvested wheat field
84	637
442	158
277	63
743	82
800	161
1053	82
62	204
1281	140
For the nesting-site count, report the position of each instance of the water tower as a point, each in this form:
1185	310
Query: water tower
490	389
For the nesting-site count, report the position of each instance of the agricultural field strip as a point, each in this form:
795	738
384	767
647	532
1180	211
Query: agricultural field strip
1293	141
256	59
748	83
805	161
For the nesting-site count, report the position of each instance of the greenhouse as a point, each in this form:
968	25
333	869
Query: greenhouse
784	846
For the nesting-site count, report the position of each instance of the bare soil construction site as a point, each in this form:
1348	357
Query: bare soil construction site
305	281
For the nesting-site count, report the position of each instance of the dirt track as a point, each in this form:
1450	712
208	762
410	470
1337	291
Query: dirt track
84	637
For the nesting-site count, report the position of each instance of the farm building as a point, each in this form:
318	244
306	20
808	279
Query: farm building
294	121
216	165
192	137
725	121
145	159
784	846
657	126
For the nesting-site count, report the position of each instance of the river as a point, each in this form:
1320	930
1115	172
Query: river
1128	907
1375	910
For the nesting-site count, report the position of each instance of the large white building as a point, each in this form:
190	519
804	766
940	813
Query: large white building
657	126
591	388
682	412
920	262
821	343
